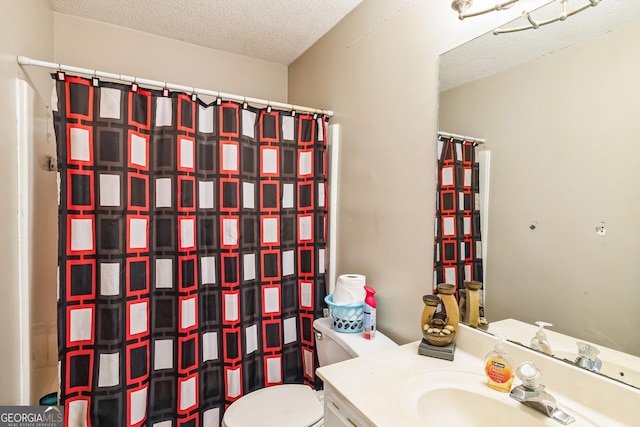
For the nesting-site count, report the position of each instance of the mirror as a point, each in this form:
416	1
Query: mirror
559	110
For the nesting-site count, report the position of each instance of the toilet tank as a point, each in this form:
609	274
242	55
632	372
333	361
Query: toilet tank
333	346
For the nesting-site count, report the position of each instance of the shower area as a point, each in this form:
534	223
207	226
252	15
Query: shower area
180	232
38	236
174	297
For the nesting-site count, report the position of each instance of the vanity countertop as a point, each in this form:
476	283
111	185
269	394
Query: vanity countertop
374	383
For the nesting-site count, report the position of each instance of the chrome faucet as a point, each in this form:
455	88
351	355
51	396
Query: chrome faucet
534	395
588	357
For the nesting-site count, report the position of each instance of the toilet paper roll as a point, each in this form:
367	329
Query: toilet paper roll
349	289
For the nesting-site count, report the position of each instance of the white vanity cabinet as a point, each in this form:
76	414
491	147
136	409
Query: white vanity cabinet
339	413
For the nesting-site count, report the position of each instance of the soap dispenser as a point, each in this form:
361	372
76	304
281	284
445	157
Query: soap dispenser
540	342
498	367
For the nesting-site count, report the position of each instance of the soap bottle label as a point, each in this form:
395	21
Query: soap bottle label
498	371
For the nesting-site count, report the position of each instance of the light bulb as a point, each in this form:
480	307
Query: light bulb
461	6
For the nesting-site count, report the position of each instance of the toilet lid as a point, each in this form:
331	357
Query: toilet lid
287	405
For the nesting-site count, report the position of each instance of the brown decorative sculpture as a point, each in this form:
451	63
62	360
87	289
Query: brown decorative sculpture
439	328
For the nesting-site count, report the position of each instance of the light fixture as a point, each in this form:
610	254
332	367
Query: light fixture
534	25
461	6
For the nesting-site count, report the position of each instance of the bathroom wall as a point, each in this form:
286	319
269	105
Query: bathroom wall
96	45
26	28
563	133
378	70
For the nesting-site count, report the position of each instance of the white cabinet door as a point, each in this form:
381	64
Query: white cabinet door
338	413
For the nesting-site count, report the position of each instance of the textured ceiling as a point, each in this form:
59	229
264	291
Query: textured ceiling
272	30
489	54
281	30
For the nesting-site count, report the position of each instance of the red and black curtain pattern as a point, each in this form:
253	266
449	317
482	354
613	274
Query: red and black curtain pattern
191	252
458	245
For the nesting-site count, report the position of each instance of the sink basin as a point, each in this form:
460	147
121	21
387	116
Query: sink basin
463	399
627	374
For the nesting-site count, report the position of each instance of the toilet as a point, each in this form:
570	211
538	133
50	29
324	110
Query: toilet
298	405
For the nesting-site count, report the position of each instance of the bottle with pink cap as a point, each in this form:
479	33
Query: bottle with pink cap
369	313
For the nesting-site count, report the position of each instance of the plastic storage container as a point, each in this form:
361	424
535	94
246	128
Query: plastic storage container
50	399
346	318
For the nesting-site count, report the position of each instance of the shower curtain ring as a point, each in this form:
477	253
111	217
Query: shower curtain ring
60	73
244	103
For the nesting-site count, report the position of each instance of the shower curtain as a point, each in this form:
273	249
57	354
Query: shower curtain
458	244
191	252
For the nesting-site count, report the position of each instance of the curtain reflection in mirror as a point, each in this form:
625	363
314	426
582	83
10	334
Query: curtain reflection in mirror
458	236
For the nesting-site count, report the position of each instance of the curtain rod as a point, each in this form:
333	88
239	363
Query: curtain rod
23	60
466	138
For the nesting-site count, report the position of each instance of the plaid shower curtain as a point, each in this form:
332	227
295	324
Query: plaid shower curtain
458	243
191	252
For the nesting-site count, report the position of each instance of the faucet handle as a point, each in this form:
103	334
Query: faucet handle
588	357
587	350
529	375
